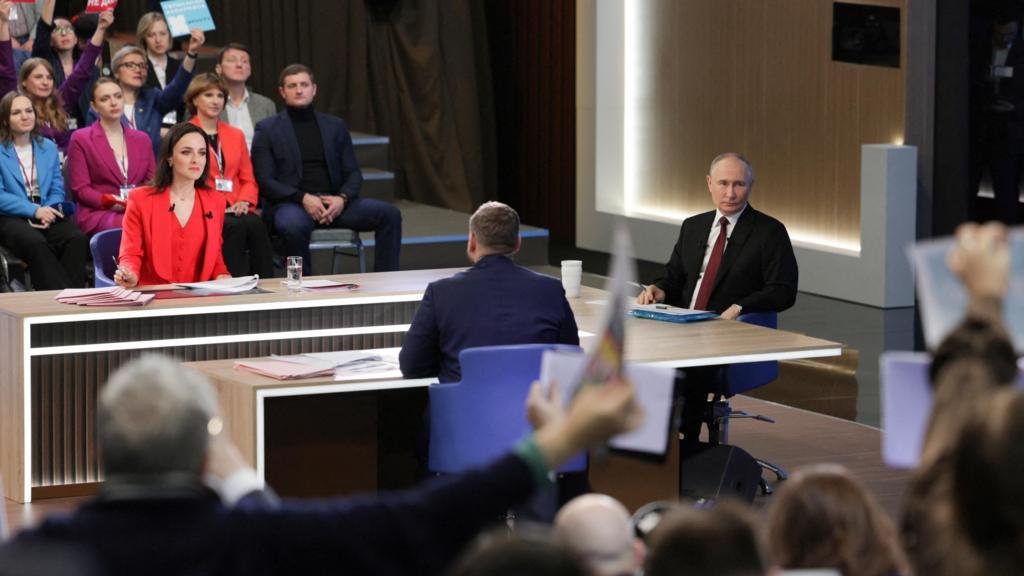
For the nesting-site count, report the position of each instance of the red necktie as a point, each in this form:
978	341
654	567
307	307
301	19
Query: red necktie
712	270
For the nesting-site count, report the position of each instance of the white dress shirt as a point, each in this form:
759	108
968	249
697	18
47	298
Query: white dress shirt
239	117
712	238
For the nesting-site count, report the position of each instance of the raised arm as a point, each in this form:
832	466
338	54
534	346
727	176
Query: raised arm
8	75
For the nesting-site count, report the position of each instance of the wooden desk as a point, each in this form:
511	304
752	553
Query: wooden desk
246	398
56	356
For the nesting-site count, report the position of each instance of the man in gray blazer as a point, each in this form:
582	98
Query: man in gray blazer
244	108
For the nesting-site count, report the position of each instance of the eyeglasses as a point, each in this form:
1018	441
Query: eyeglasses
63	29
133	65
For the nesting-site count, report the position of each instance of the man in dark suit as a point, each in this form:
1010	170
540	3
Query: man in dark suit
729	260
160	433
308	176
756	268
494	302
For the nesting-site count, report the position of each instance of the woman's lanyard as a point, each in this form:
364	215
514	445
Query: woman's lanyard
32	191
219	154
130	119
123	162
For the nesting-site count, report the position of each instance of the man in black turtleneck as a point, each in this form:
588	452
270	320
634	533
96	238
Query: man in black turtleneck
309	177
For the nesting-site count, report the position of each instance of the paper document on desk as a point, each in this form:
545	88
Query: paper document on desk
943	298
667	313
279	369
654	389
224	285
354	364
109	296
325	285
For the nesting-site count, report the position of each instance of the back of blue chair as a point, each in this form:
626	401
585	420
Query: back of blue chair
479	419
740	378
105	246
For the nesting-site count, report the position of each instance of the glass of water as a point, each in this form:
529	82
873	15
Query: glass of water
294	278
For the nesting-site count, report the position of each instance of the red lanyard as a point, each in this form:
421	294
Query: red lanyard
27	175
219	156
123	163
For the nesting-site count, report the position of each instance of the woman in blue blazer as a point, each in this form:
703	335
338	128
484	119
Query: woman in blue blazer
144	108
35	221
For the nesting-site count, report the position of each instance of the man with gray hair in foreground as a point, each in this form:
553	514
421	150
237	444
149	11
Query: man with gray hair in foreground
493	303
160	432
596	529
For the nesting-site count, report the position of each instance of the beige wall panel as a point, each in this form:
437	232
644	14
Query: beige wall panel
757	77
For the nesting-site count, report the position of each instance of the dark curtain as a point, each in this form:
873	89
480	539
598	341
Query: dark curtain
417	71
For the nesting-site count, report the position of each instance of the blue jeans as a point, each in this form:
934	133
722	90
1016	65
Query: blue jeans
361	214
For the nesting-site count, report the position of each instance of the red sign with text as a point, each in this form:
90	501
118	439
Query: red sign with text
99	5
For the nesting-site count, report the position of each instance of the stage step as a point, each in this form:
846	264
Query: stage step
435	237
378	184
371	150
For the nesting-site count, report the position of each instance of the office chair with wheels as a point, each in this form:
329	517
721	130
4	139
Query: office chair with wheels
740	378
479	419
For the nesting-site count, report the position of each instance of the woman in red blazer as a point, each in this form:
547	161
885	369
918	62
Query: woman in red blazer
172	229
106	158
246	242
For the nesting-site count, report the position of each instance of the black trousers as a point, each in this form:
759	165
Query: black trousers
246	246
55	255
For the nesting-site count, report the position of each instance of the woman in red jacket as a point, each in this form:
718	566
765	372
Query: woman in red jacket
246	242
172	228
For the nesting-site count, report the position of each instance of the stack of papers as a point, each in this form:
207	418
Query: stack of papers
354	364
669	313
226	285
279	369
324	285
110	296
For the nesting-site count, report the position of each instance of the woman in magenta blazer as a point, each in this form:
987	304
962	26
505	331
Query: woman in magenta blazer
106	158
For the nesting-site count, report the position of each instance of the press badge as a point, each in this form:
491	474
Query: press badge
224	185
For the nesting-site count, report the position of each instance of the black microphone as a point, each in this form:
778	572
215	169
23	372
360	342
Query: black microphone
172	208
209	215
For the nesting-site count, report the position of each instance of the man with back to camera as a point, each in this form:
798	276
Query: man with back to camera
493	303
160	433
308	176
729	260
243	108
597	529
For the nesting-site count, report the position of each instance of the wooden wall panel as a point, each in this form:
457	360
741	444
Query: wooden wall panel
757	78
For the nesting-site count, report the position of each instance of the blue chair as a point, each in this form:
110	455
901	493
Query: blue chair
104	247
479	419
740	378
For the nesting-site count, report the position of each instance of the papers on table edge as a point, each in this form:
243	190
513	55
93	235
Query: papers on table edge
666	313
343	365
224	285
326	285
109	296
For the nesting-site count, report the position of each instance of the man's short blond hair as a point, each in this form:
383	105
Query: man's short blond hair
496	226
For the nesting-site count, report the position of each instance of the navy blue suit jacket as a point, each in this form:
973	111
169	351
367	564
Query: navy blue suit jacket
278	165
493	303
418	531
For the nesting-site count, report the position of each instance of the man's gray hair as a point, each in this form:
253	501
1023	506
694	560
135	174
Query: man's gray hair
740	157
496	226
153	418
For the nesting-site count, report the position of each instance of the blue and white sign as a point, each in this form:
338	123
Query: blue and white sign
184	15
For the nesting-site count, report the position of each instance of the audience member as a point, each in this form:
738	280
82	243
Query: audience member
33	224
246	243
172	228
24	16
596	529
56	42
55	104
244	108
159	432
971	364
823	518
526	552
106	160
494	302
153	36
308	176
721	541
145	106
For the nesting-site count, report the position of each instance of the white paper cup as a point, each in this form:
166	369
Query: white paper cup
572	277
